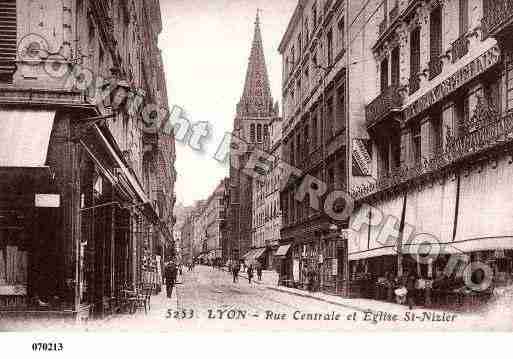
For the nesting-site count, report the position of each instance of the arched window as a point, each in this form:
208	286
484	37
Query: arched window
252	132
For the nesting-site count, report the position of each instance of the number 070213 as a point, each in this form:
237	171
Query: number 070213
47	347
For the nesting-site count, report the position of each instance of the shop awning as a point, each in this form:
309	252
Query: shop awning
259	252
24	137
480	244
248	254
372	253
282	250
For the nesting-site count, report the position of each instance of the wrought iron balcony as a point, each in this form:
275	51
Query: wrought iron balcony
435	68
497	15
492	132
387	102
459	48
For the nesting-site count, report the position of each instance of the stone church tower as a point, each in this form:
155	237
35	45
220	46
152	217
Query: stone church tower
255	110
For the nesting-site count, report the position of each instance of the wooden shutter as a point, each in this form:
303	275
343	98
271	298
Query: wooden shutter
395	66
7	39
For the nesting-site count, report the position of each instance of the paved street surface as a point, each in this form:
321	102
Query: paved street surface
210	301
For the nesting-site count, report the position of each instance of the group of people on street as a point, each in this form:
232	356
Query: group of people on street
235	268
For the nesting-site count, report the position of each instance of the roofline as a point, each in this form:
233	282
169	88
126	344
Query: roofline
292	23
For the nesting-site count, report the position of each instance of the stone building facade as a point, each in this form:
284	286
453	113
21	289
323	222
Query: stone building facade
439	124
75	77
315	140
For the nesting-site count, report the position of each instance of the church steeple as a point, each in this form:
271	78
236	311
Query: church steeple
256	99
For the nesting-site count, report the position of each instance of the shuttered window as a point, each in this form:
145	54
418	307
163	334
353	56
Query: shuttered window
463	14
395	66
7	39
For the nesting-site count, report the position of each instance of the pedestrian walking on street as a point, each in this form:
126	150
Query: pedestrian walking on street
170	274
259	272
235	272
250	273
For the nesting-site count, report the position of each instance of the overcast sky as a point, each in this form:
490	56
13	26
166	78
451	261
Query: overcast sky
206	46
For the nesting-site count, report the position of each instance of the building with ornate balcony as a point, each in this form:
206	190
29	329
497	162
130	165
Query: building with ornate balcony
88	209
441	153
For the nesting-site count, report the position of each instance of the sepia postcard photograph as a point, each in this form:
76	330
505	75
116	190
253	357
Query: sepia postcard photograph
245	166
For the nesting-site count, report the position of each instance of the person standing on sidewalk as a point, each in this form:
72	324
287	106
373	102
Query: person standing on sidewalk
235	272
250	273
170	274
259	272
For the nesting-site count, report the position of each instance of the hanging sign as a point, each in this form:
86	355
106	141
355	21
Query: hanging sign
47	200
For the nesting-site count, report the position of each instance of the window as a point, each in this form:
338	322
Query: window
314	15
259	133
463	17
329	40
307	31
266	131
416	142
509	86
435	36
306	137
252	133
329	118
299	44
395	66
293	56
292	148
298	147
314	132
8	39
384	74
414	60
341	107
341	32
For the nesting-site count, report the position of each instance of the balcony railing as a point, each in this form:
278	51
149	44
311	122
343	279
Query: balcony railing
414	84
456	150
389	100
435	68
497	14
459	48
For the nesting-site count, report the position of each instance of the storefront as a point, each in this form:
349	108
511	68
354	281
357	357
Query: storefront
73	219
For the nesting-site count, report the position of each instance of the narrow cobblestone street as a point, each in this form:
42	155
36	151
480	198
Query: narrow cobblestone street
216	303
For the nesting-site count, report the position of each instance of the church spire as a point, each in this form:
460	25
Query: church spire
256	99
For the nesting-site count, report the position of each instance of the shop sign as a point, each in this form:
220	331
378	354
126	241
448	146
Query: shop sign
462	76
47	200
